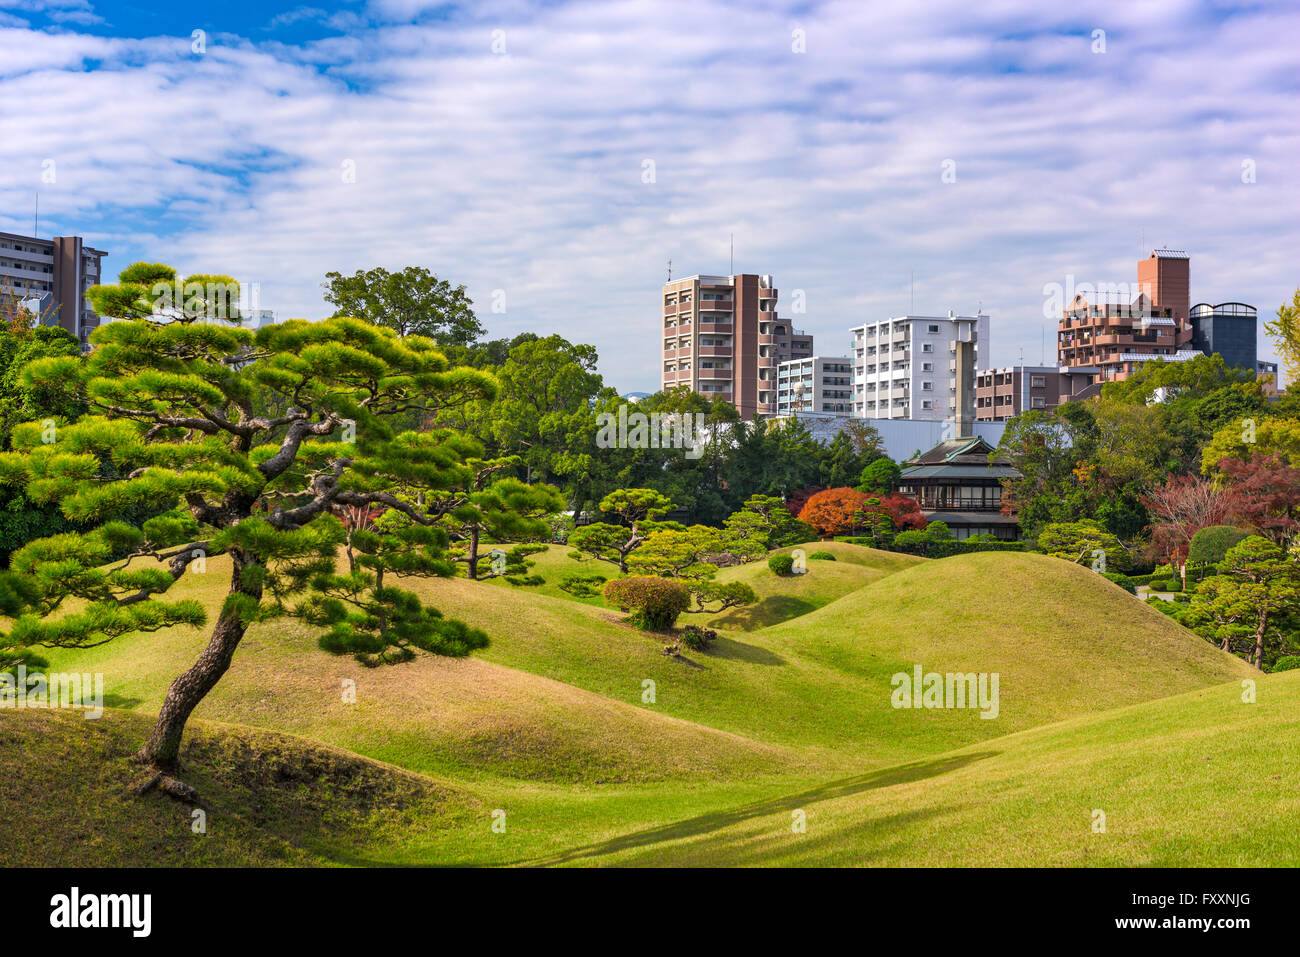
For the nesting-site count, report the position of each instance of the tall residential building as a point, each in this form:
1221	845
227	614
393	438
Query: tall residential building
815	384
54	275
1116	331
1002	394
906	367
722	337
1230	329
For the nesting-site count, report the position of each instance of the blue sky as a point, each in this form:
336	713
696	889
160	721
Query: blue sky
506	146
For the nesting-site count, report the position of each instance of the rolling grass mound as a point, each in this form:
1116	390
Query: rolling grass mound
1063	640
1202	779
783	598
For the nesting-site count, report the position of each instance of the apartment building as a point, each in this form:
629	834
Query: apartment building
815	384
906	367
1116	330
722	337
1002	394
51	276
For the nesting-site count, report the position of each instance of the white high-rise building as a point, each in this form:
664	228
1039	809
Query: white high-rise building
815	384
906	367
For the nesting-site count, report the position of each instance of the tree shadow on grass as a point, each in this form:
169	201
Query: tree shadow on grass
718	820
118	701
739	651
772	610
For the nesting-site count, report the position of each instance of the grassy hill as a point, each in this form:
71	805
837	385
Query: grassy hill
1024	799
1201	779
553	721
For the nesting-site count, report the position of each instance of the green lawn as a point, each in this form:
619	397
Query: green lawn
551	723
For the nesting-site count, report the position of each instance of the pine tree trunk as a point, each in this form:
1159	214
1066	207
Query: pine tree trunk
162	748
1257	659
471	566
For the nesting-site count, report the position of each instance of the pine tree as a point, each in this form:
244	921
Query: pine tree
176	429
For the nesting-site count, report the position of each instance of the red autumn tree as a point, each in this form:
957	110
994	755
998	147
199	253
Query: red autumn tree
797	499
902	511
1181	507
1264	492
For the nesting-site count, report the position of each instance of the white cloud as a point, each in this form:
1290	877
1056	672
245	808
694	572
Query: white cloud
522	171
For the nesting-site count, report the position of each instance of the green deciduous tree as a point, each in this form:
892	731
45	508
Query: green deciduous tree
412	302
1285	332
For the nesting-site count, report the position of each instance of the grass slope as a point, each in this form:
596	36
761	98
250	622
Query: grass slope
1201	779
550	721
67	798
781	599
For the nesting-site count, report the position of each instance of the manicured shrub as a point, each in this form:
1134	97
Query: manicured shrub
526	579
823	556
698	638
654	603
1123	581
1287	663
583	586
1210	544
781	565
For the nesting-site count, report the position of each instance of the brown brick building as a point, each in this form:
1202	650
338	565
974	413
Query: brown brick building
722	337
1001	394
1115	331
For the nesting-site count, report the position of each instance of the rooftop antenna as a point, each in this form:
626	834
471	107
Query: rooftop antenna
670	270
733	254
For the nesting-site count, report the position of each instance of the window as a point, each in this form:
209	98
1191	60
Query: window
1039	402
927	347
1038	382
927	366
932	328
927	386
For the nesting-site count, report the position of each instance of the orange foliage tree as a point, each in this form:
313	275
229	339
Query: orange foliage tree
836	511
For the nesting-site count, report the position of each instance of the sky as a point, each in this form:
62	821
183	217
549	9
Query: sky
554	157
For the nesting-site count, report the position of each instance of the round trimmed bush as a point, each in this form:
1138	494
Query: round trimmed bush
823	556
781	564
1212	543
1287	663
654	602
